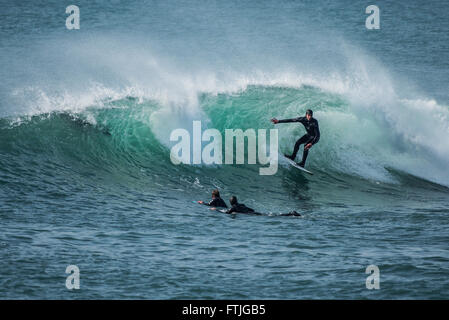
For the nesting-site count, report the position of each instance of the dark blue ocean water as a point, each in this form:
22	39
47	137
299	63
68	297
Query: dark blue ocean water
85	171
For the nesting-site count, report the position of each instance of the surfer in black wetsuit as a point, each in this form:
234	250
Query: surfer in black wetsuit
216	201
241	208
309	139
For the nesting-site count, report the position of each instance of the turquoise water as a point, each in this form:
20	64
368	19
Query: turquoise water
85	171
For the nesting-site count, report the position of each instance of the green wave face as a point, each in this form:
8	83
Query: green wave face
130	136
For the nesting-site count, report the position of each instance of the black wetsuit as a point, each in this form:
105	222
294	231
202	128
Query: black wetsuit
217	202
241	208
312	136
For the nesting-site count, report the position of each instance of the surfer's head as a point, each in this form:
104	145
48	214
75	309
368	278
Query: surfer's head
233	200
215	194
309	114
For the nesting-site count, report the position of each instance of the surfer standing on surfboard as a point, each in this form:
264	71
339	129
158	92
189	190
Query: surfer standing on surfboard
309	139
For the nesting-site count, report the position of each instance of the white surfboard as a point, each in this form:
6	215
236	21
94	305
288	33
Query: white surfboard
294	164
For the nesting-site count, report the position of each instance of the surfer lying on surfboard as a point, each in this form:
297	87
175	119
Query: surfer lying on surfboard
309	139
216	201
237	207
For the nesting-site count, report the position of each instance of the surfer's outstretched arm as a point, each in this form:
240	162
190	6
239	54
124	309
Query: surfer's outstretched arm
299	119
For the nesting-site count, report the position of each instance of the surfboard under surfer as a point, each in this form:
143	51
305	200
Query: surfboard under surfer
309	139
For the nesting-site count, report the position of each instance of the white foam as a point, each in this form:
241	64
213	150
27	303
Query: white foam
413	131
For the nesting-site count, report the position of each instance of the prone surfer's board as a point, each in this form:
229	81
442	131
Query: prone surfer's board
294	164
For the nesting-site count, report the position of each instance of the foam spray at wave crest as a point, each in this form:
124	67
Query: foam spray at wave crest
367	126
